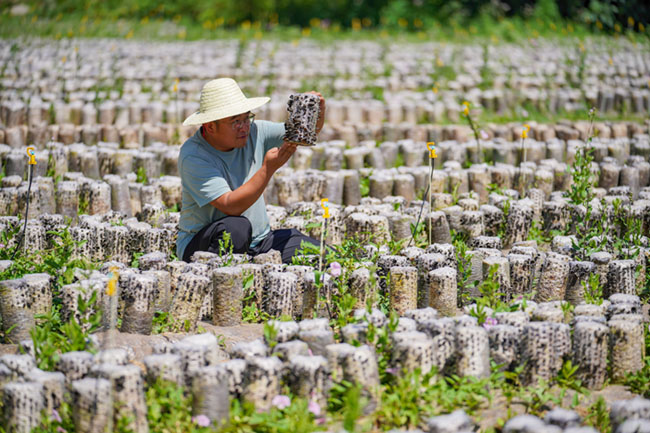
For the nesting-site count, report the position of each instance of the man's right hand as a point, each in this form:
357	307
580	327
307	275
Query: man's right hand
278	156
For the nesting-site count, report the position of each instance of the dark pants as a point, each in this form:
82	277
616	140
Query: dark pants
287	241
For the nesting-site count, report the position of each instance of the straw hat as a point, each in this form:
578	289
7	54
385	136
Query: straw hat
222	98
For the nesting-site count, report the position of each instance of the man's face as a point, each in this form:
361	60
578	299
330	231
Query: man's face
233	131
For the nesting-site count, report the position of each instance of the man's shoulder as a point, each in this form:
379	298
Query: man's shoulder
191	146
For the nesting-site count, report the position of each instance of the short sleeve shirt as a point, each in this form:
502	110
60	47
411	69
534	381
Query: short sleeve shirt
207	173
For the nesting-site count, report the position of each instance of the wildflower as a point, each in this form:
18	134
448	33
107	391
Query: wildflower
466	108
201	420
524	132
320	421
60	429
281	401
55	415
484	135
490	322
335	269
313	407
524	113
2	245
392	371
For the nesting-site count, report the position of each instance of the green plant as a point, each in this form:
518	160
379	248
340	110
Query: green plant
53	337
593	290
567	378
141	176
57	259
348	400
84	203
459	240
296	417
169	409
164	322
538	398
251	312
135	263
598	416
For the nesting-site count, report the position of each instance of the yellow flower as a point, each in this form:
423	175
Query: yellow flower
641	28
617	28
439	62
630	21
258	35
611	61
356	24
402	22
417	22
366	22
129	35
64	59
144	20
306	32
435	89
34	19
524	132
599	25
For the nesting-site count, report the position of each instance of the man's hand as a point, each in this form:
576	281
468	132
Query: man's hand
321	116
278	156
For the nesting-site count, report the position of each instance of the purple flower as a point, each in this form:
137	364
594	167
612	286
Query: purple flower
61	430
55	415
484	135
392	371
320	421
201	420
281	401
490	322
335	269
313	407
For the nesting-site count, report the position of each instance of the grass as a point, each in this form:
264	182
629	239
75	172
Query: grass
79	25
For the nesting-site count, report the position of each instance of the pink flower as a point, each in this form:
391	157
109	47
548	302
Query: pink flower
55	415
320	421
313	407
490	322
281	401
392	371
335	269
201	420
2	245
61	430
484	135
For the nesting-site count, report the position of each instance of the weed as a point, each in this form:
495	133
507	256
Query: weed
598	416
567	378
593	290
169	409
141	176
53	337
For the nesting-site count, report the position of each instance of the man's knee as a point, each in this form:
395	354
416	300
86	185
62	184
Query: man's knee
241	232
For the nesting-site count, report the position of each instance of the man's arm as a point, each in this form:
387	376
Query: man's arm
237	201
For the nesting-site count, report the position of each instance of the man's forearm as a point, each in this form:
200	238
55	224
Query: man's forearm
237	201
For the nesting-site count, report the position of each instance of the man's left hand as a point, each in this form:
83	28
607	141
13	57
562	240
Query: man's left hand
321	115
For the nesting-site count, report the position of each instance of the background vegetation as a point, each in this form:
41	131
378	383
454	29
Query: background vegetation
194	19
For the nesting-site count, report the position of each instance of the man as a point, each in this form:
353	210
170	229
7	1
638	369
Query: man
225	167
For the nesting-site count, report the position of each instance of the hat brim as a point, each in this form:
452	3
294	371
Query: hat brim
199	118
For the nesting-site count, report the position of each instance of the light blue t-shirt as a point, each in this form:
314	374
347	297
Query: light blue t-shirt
207	173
